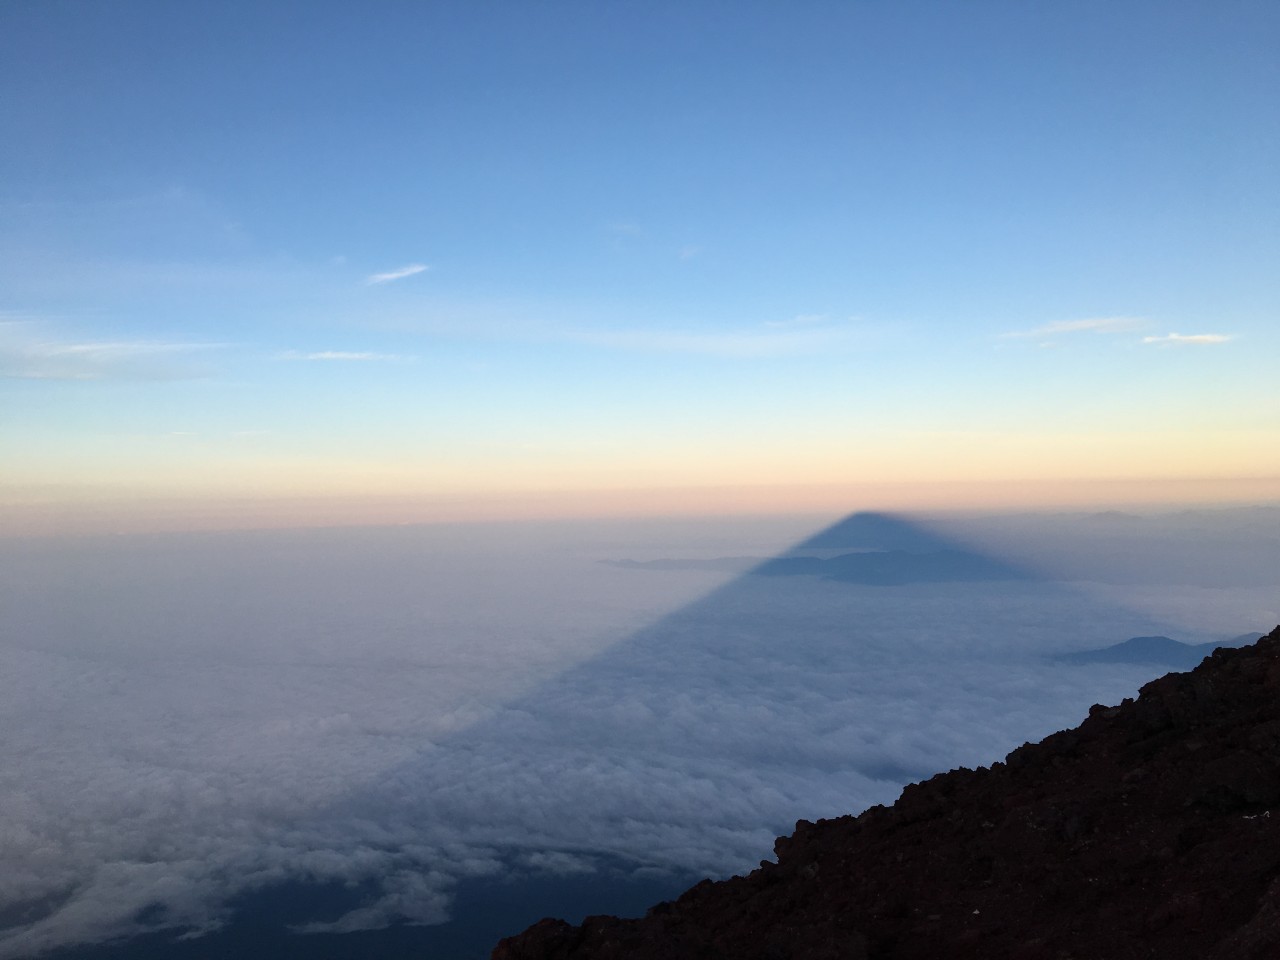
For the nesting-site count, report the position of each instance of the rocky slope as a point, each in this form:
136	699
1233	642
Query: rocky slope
1152	830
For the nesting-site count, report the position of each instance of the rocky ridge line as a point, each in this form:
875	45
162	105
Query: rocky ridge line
1152	830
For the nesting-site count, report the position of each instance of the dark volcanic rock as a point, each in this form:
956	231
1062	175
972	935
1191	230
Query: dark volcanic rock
1146	832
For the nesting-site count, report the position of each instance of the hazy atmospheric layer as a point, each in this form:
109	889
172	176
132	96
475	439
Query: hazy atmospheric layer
190	717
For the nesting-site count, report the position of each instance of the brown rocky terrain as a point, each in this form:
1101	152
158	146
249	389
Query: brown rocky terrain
1152	830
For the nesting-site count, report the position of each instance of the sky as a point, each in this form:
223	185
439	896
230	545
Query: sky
671	282
448	260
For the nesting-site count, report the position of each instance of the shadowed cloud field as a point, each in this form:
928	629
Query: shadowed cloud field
376	742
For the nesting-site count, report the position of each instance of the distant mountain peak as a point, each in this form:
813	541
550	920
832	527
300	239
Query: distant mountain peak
1158	650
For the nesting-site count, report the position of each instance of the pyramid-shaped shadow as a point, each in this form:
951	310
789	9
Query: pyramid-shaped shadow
881	550
871	654
815	683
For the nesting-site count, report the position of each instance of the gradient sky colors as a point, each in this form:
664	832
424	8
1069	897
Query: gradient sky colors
571	254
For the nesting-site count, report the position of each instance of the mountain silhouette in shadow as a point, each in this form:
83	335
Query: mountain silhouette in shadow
871	530
885	551
890	552
1161	651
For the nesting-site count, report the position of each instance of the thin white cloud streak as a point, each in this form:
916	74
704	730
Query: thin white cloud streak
1193	339
406	271
108	350
28	357
743	344
798	336
1088	325
346	356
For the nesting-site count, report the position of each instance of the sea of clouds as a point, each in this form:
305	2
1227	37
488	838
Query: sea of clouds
191	718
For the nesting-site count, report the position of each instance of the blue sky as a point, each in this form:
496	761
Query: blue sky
661	245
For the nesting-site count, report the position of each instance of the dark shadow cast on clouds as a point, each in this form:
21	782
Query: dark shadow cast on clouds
817	683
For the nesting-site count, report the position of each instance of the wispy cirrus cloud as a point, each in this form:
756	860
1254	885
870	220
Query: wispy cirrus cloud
739	344
1191	339
408	270
351	356
1086	325
26	354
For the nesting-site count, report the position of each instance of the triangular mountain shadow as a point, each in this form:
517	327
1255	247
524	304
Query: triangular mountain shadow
868	530
888	552
871	548
685	749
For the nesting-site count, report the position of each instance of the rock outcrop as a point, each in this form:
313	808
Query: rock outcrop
1152	830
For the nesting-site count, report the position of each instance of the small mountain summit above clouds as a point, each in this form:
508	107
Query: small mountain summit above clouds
1147	831
1163	651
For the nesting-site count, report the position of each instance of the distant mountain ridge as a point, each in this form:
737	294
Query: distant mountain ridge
1146	832
1157	650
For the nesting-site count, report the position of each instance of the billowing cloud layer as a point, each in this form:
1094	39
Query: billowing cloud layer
196	717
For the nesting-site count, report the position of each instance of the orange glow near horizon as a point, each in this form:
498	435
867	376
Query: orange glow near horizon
36	514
